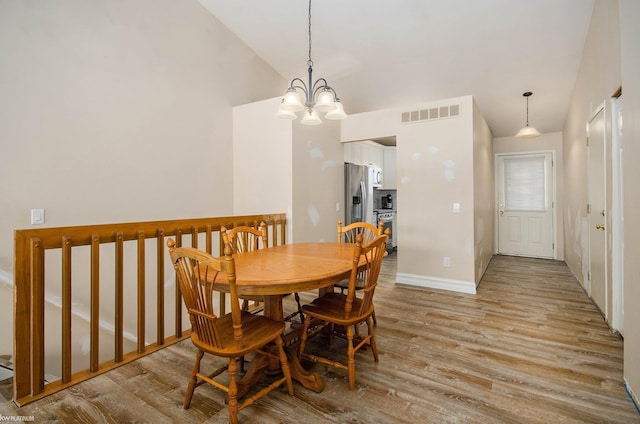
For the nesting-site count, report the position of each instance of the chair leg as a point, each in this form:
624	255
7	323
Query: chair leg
233	392
351	361
285	365
372	340
192	381
375	321
303	337
297	297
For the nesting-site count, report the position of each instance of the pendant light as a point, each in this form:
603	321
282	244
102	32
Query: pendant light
319	96
527	131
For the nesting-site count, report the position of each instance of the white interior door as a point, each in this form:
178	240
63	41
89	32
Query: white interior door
526	205
597	211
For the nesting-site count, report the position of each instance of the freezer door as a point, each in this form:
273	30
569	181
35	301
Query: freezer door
355	192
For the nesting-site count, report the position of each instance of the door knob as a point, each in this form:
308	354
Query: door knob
501	209
600	227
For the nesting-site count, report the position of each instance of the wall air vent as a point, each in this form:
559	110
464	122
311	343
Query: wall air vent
442	112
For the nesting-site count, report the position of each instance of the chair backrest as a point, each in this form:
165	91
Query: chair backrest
197	271
349	233
244	238
371	254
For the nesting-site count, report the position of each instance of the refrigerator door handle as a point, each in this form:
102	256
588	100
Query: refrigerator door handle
364	203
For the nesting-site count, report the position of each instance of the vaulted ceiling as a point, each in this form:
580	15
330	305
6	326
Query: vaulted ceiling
379	54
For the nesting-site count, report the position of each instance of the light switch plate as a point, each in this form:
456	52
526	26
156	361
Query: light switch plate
456	207
37	216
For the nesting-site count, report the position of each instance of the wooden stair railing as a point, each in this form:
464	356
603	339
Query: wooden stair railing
30	284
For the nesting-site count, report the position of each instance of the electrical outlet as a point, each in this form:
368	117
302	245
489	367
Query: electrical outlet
337	206
456	208
446	261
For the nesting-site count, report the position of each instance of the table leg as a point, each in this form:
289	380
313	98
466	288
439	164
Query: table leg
311	380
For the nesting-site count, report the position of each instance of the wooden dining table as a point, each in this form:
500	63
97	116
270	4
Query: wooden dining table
281	270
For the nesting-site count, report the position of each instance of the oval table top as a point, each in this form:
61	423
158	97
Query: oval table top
296	267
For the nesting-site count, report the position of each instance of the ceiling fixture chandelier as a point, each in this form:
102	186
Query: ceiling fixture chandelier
319	97
527	131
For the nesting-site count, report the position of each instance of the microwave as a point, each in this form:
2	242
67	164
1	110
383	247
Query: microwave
375	176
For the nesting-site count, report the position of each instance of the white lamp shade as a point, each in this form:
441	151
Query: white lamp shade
337	113
325	101
291	101
527	132
286	114
311	118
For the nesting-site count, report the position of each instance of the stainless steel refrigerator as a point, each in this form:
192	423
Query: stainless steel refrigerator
358	192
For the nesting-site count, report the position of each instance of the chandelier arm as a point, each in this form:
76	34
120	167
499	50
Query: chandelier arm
302	87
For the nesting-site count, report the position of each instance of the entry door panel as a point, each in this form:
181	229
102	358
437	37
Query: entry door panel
525	197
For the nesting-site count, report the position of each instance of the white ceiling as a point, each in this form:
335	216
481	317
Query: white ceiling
379	54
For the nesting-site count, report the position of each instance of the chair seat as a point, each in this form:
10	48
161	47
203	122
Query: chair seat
330	307
257	330
344	284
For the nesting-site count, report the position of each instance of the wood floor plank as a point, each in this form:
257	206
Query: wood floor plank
529	347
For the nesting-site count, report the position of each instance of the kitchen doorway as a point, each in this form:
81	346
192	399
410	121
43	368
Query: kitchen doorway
525	197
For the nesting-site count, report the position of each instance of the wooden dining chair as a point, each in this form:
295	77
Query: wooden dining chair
347	309
349	234
232	335
246	239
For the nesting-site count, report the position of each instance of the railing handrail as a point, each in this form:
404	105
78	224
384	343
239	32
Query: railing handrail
29	279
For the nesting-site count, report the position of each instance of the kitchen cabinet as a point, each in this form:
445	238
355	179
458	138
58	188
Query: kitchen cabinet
364	153
389	179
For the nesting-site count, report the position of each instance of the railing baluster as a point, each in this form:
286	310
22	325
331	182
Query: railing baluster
119	295
160	287
178	298
209	239
95	305
194	237
37	319
141	292
66	309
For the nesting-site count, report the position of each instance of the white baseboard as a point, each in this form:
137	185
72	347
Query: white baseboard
460	286
632	396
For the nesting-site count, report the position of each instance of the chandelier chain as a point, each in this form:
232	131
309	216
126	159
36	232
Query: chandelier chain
310	62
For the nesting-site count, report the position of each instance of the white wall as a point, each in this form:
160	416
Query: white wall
318	181
262	154
116	111
630	52
284	166
435	170
439	162
598	78
546	142
483	193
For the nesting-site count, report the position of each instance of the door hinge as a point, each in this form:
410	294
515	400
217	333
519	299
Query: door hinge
589	275
588	208
587	141
553	246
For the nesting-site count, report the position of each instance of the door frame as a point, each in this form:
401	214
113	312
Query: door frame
554	203
617	217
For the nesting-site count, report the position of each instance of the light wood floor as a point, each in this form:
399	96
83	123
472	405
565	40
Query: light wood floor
530	347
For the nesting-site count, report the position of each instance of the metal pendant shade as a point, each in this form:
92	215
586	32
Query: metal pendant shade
318	96
527	131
